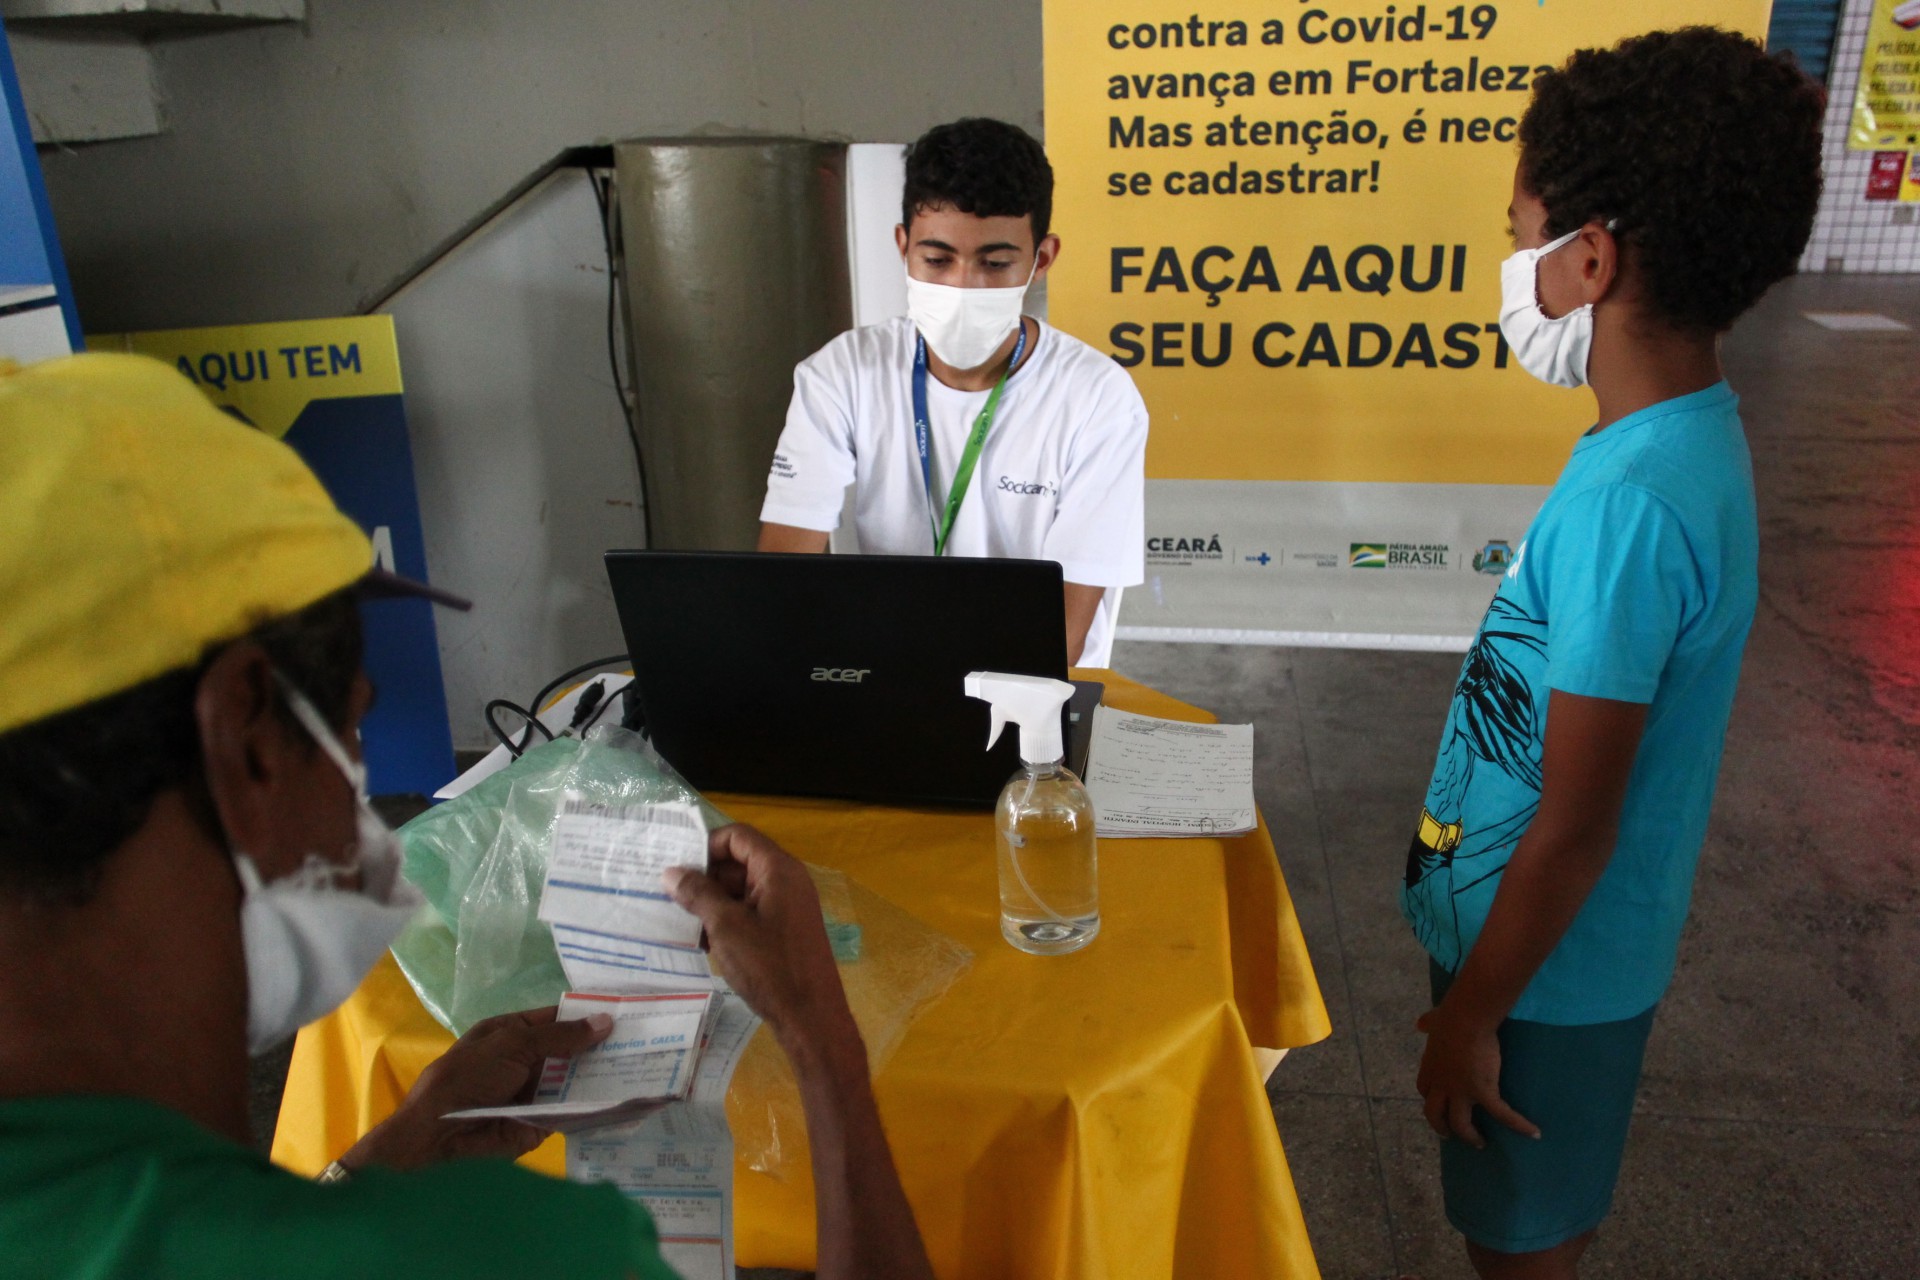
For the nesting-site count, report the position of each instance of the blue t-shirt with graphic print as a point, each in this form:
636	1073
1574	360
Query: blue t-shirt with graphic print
1637	582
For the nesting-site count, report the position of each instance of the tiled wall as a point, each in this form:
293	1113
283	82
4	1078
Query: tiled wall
1852	233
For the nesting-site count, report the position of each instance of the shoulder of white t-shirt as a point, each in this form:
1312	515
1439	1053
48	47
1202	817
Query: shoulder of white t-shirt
888	345
1070	358
869	346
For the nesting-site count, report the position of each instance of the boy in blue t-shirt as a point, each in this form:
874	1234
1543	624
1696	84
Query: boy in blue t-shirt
1662	187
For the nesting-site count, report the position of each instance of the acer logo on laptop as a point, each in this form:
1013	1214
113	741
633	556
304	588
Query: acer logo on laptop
842	675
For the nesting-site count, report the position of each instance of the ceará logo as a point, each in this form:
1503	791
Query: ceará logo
842	675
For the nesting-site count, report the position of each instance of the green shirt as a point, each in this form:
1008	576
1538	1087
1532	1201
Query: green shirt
98	1187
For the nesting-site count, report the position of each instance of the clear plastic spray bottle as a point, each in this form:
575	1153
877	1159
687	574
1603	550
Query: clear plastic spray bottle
1049	878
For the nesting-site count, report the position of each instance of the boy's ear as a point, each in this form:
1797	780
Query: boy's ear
1046	253
1602	267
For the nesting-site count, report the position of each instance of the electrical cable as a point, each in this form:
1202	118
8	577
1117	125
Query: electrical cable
592	718
546	690
589	701
603	194
585	716
506	739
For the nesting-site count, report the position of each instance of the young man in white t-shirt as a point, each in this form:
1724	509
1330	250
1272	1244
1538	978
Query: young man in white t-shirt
964	427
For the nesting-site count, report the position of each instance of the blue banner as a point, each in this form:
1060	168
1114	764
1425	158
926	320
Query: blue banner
37	316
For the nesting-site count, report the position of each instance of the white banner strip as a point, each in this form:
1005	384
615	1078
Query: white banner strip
1297	639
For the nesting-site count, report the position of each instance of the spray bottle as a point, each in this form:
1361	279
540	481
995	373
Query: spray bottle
1049	881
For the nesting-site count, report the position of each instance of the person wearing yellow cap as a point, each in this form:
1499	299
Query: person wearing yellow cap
189	869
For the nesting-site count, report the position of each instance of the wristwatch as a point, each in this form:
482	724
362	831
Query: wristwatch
335	1172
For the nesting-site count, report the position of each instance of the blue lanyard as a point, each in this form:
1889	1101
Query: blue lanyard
923	437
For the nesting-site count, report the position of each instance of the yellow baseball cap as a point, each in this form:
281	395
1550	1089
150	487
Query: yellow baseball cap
143	526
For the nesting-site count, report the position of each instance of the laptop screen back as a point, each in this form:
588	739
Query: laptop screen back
834	675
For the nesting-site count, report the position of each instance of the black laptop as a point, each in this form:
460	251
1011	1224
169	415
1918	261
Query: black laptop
835	675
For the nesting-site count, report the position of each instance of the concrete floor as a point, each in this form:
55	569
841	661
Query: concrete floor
1778	1130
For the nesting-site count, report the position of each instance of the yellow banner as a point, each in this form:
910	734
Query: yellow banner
268	373
1886	104
1287	220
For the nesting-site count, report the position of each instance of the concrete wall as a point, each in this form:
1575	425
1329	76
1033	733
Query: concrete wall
308	167
520	451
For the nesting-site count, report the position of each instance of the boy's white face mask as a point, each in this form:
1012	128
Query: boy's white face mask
308	942
964	327
1552	349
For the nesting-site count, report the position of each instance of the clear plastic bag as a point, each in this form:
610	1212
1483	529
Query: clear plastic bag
481	950
892	967
481	859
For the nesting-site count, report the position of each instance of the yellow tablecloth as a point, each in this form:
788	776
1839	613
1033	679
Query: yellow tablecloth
1093	1115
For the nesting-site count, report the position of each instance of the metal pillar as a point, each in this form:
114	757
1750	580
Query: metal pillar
734	253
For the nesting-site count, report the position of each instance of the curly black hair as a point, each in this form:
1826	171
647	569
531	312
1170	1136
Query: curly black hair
1703	147
988	168
76	785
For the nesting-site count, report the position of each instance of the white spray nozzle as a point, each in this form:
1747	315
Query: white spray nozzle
1032	702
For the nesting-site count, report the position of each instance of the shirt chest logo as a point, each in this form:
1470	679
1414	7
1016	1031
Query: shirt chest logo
1027	488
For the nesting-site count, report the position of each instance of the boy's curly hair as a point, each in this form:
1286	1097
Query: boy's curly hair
1703	146
988	168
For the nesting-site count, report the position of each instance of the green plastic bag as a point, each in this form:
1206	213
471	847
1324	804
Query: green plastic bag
481	859
479	947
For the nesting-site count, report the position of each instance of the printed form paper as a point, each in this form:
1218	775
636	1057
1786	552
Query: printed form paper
1154	777
678	1161
613	923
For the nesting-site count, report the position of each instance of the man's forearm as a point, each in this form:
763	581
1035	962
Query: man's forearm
791	539
866	1227
1083	602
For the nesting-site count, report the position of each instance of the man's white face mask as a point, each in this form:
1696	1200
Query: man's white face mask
1552	349
308	942
965	326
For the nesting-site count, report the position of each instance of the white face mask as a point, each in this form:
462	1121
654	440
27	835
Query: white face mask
1553	350
308	942
965	326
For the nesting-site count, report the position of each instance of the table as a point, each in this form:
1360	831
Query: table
1093	1115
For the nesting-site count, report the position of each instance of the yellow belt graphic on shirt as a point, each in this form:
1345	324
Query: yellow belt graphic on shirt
1441	837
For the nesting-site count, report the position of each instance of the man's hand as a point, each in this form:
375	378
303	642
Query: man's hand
764	931
495	1064
1460	1070
762	917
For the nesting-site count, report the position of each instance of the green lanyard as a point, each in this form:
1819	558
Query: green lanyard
923	435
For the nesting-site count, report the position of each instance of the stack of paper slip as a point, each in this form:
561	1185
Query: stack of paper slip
654	1091
647	1060
678	1160
613	923
630	952
1154	777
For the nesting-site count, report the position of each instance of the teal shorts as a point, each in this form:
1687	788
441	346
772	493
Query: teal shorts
1521	1194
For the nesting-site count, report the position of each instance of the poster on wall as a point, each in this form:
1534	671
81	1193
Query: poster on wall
37	318
1886	102
1287	222
331	389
